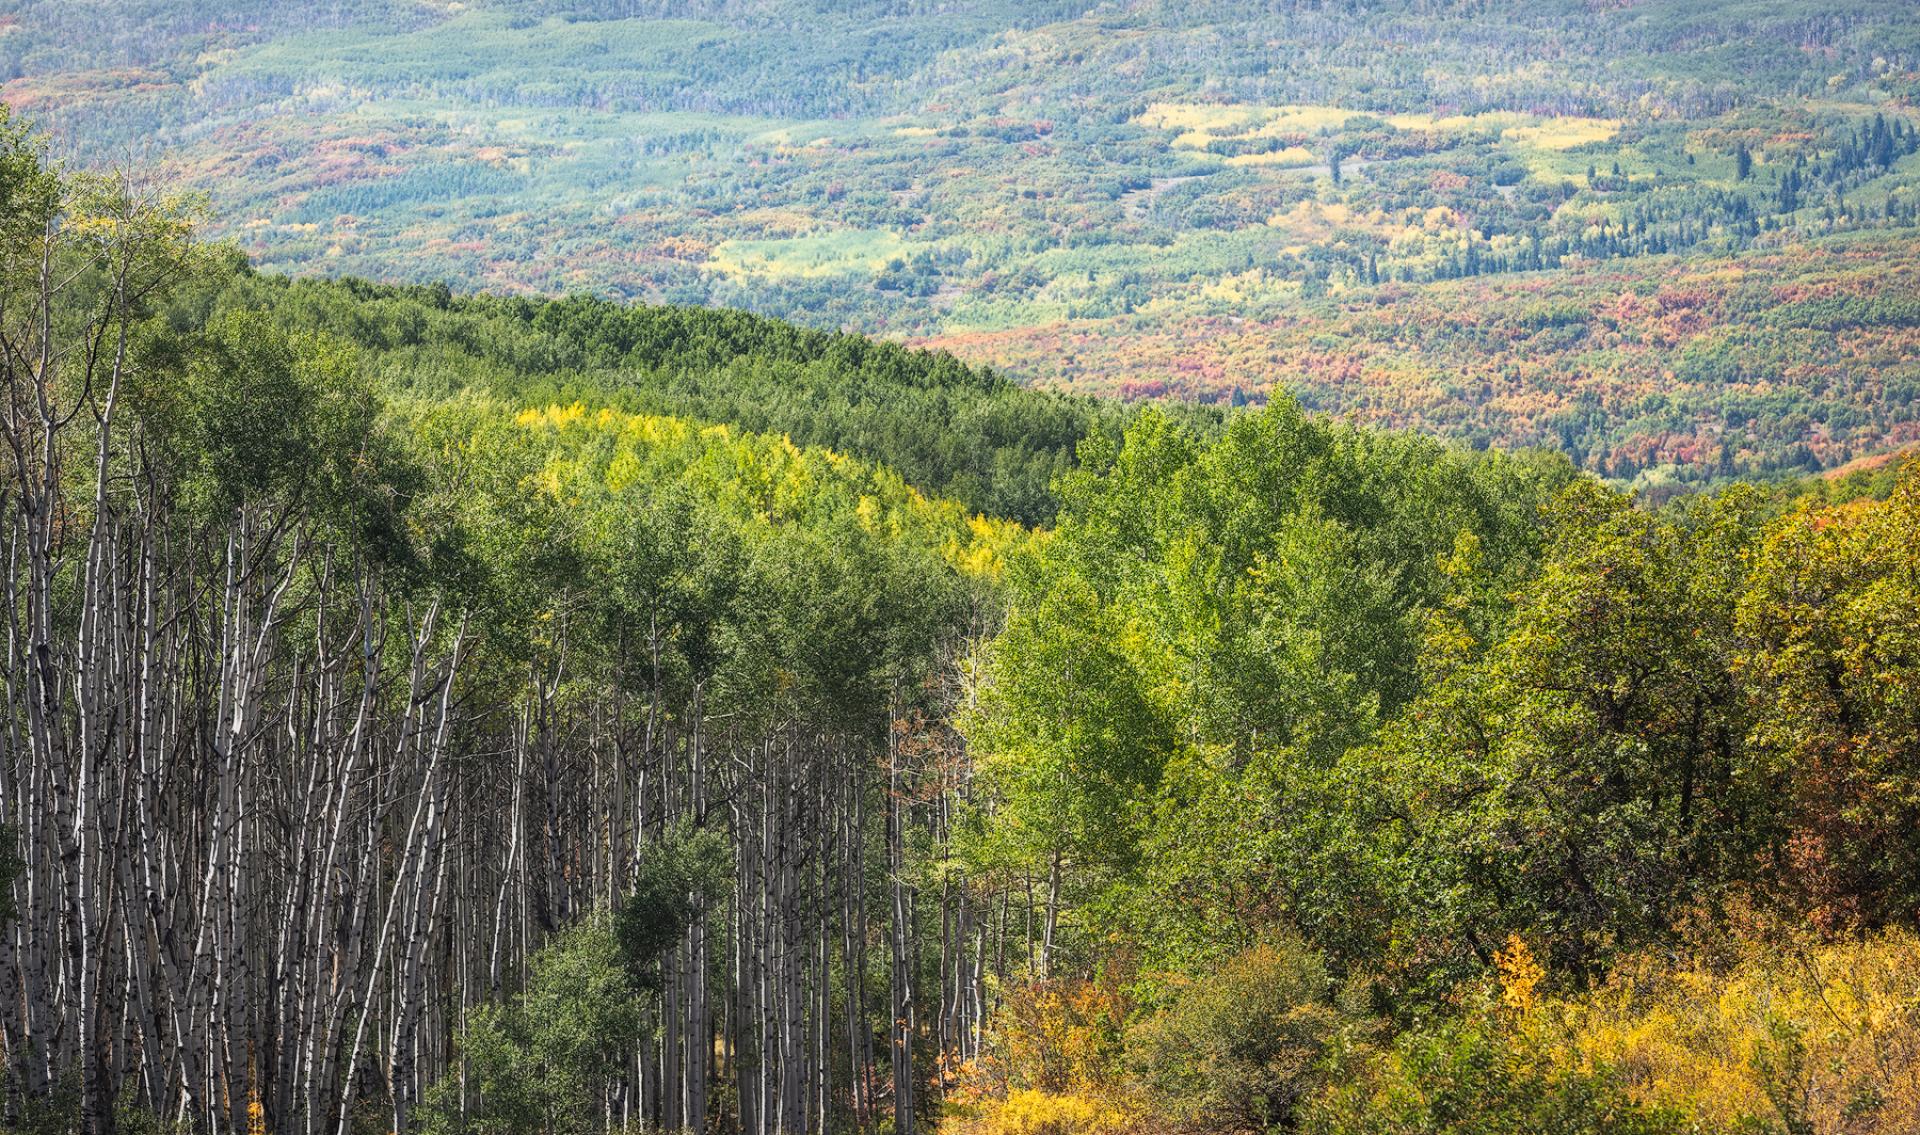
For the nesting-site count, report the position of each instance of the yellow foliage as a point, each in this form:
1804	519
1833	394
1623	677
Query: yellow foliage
811	255
1455	123
623	471
555	417
1810	1036
766	475
1198	124
1564	133
983	553
1034	1112
1206	117
1520	973
1049	1067
1292	156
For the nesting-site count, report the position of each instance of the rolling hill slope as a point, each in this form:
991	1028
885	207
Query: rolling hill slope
1127	198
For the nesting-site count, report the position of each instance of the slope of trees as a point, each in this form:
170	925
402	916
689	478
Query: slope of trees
1480	741
327	709
954	430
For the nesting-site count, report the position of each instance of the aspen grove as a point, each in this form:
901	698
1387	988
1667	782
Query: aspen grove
324	716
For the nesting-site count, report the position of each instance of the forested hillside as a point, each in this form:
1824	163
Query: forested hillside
954	430
342	718
473	714
1670	237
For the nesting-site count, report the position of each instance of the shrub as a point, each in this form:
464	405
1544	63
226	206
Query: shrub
1241	1048
542	1063
1050	1067
1473	1077
677	875
1771	1030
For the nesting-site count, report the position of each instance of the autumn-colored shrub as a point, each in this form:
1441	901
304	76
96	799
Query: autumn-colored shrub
1774	1031
1834	671
1479	1076
1050	1066
1030	1111
1238	1049
1758	1026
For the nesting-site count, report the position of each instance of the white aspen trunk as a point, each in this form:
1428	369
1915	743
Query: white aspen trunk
899	937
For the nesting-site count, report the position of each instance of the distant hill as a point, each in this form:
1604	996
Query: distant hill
1150	199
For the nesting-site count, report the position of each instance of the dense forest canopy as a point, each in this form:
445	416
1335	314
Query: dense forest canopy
954	430
1563	223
